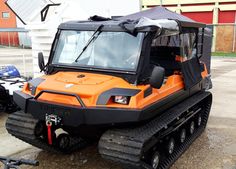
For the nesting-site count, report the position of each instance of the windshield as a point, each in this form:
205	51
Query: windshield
110	50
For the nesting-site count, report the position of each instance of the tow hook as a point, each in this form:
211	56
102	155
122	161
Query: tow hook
51	120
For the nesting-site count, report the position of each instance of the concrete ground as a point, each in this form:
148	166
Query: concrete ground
214	149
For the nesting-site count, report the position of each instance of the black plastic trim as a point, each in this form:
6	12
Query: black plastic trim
147	92
163	104
75	116
60	93
21	99
105	96
45	10
34	83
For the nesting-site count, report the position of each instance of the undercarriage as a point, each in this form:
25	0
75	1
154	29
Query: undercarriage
155	144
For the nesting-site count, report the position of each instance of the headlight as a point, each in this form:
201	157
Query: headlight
121	99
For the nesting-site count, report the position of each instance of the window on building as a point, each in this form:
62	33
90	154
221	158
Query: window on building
5	15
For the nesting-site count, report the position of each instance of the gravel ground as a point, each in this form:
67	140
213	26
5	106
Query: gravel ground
214	149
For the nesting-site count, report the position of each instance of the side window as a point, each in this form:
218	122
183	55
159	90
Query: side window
188	44
165	48
164	52
171	41
5	15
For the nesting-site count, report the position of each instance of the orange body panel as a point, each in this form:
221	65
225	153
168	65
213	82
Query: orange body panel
92	85
205	72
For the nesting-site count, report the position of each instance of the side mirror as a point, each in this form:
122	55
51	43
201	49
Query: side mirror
157	77
41	63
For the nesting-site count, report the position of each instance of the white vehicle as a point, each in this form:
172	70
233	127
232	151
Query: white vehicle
10	81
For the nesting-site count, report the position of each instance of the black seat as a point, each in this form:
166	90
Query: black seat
164	56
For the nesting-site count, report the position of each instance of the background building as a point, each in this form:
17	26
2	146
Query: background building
207	11
42	17
220	15
7	20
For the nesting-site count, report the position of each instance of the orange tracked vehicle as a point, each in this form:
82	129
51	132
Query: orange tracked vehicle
137	84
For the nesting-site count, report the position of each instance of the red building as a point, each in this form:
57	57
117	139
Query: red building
220	15
206	11
7	20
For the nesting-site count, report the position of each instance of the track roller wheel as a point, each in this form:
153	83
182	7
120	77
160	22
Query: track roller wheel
182	136
171	145
63	142
40	129
155	160
199	120
192	127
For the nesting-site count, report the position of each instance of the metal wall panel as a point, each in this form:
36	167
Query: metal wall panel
26	9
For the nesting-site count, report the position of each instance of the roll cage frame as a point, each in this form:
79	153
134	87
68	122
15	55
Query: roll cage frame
143	69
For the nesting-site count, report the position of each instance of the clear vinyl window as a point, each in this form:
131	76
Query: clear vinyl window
188	43
110	50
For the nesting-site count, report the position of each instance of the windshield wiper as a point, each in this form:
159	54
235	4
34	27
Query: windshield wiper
93	38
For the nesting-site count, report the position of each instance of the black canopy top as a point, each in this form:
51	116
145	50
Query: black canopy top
110	25
163	13
113	25
157	13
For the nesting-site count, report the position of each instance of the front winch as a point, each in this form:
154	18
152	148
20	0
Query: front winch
50	121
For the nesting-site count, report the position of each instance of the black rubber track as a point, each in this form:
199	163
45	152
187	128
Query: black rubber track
125	146
22	125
